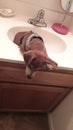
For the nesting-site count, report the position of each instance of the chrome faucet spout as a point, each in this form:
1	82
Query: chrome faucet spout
39	19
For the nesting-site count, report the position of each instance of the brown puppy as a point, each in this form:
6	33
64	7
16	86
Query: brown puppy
34	53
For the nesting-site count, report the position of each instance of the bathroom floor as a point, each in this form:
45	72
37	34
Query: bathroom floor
23	121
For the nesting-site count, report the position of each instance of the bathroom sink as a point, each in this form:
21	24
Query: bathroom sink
53	43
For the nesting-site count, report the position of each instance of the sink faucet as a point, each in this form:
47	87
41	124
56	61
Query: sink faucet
39	19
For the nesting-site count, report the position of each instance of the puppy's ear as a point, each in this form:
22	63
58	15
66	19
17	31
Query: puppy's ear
51	64
28	57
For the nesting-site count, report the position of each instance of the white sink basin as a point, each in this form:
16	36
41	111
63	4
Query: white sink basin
53	43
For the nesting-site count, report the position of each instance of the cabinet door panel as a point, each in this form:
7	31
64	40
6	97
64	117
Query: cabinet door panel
17	97
1	98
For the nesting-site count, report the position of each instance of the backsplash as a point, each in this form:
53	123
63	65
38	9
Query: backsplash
49	4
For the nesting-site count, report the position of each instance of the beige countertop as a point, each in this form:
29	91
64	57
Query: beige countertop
10	51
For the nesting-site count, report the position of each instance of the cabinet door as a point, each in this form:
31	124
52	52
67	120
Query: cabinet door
1	98
20	97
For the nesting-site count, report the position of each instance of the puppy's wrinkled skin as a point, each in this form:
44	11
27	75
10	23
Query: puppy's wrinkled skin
35	57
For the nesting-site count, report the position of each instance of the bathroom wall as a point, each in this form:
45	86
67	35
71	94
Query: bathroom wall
62	117
48	4
29	8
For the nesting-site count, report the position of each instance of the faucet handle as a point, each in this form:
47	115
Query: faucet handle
41	14
39	19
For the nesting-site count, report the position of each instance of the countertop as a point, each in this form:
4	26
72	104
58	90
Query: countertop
10	51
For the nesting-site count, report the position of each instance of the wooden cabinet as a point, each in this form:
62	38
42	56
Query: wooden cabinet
41	94
16	97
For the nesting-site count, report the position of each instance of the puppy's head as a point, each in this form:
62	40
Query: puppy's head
36	61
